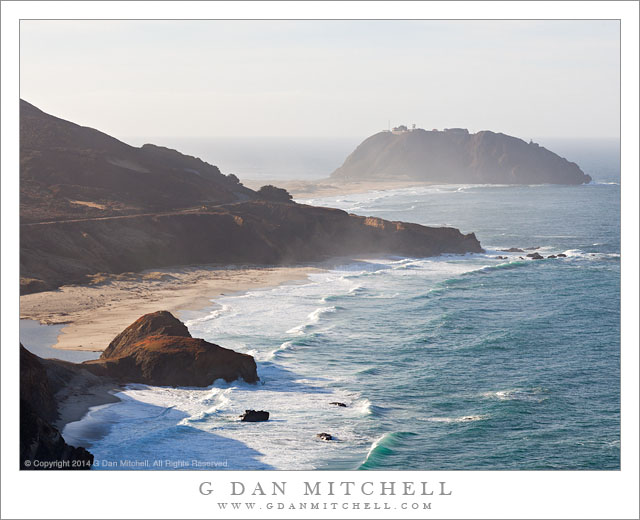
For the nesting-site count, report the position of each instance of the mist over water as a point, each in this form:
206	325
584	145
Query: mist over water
454	362
269	158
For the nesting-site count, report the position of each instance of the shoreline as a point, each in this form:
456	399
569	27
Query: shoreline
94	314
301	189
75	407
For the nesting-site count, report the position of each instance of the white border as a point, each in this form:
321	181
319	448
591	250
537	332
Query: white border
175	495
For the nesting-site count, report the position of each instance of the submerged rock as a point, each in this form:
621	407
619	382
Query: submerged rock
254	416
338	404
512	250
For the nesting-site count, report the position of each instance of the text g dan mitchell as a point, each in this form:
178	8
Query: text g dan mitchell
319	488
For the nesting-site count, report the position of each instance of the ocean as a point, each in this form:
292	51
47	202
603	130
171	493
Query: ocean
459	362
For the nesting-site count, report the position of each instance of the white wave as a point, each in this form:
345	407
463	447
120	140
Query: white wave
208	317
518	394
465	418
375	444
284	347
363	407
500	394
579	253
313	318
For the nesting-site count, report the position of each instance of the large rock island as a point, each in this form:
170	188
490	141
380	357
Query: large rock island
455	156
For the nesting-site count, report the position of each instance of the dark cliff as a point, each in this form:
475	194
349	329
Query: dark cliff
258	233
456	156
40	442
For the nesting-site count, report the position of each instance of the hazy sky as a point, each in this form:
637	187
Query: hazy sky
325	78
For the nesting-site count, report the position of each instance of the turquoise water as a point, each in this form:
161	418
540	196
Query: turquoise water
456	362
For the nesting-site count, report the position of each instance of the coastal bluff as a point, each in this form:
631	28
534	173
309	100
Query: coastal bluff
90	204
455	156
157	349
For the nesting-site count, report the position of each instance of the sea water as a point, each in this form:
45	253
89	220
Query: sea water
456	362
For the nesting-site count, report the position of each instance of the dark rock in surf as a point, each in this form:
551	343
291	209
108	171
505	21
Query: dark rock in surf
562	255
338	404
552	256
324	436
512	250
535	256
254	416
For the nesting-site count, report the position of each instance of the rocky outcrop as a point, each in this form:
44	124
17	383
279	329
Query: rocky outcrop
91	204
157	349
254	232
41	444
161	323
456	156
254	416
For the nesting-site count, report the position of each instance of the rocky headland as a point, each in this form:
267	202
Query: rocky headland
455	156
91	204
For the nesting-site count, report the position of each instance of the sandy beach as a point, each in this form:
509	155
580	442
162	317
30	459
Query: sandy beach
328	187
94	314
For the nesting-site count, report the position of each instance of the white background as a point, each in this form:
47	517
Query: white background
555	494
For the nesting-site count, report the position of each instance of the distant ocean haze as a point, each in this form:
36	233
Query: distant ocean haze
307	158
267	158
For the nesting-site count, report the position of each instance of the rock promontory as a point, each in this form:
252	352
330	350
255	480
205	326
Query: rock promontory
458	157
91	204
157	349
